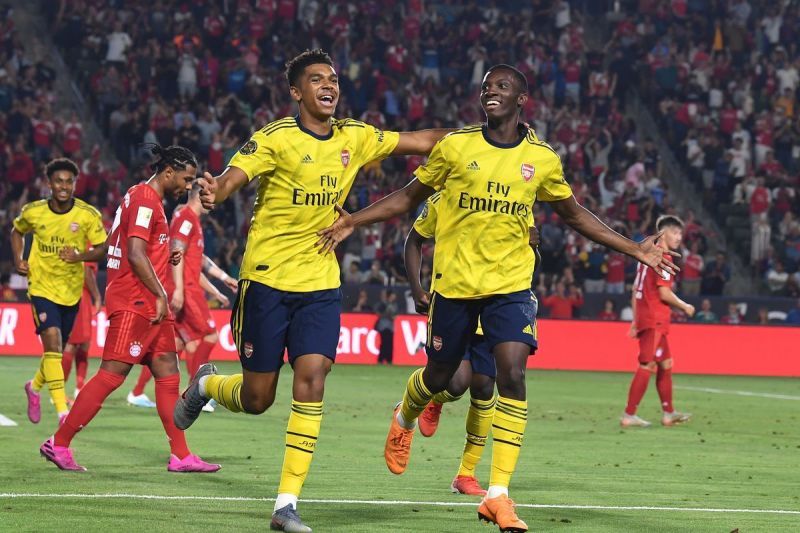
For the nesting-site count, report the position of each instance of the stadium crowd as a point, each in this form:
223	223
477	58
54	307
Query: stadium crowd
205	74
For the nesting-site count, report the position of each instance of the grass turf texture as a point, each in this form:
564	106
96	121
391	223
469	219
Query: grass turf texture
737	453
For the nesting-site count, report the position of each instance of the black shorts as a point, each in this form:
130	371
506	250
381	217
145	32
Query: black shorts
504	317
480	357
266	322
48	314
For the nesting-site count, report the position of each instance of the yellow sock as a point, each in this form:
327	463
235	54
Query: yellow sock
479	422
444	397
301	440
226	391
416	397
54	377
38	379
508	427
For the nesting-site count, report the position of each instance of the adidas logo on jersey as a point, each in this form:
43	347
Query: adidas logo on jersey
473	166
307	159
528	329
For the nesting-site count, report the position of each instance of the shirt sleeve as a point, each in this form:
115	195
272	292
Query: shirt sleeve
97	233
140	218
377	144
425	224
434	172
553	186
257	156
180	229
23	222
665	278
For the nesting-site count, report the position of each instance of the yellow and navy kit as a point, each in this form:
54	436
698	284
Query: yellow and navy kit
301	176
485	209
49	276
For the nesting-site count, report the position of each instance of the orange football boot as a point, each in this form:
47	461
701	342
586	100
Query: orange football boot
429	419
500	511
398	445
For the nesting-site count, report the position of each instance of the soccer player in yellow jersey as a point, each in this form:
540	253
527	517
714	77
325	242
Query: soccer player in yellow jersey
477	369
289	297
489	177
61	225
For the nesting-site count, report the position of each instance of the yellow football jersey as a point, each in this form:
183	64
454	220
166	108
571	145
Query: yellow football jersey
50	277
301	176
485	210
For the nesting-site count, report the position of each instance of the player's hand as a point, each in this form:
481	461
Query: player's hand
231	283
69	254
422	302
22	268
689	310
175	257
533	238
223	300
331	236
176	303
632	331
97	306
208	190
161	309
653	256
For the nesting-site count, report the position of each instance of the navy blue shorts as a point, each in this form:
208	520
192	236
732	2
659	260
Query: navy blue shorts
480	357
265	322
48	314
504	317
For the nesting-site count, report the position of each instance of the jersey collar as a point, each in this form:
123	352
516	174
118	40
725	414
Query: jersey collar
50	207
485	130
316	136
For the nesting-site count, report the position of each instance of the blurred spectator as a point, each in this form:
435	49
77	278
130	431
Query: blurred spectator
362	304
609	311
705	314
387	311
716	275
793	316
692	270
6	292
615	274
763	316
561	305
777	278
353	273
733	316
375	275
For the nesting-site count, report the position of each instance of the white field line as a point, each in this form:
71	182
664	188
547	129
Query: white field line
739	393
25	495
5	421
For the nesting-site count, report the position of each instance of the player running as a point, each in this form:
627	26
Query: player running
141	326
289	295
80	338
61	225
489	177
476	371
652	302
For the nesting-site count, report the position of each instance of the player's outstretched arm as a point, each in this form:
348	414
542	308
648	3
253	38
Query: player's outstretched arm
94	254
397	203
211	268
94	290
419	142
17	249
176	271
215	190
412	257
671	299
587	224
213	291
143	269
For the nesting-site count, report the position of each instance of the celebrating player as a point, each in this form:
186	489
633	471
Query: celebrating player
61	225
289	295
77	347
652	302
476	372
489	177
141	327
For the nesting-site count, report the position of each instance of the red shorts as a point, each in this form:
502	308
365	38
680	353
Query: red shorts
82	329
653	346
194	321
134	340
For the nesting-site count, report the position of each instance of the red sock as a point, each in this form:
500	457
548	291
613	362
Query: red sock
166	398
664	386
638	387
144	377
189	357
66	362
81	366
87	405
202	354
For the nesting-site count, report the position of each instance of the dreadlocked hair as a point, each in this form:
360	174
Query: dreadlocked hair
173	156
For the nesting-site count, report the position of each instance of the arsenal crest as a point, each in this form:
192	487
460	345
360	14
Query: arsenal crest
345	158
248	349
74	227
527	171
437	343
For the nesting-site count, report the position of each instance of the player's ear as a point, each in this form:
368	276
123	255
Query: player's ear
522	99
295	93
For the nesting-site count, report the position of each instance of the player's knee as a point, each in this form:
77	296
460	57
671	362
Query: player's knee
650	366
666	364
512	384
482	387
255	404
211	338
458	386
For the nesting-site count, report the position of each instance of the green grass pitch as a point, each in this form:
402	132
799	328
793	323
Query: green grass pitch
739	453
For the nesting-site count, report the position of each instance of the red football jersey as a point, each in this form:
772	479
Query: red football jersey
140	215
651	312
185	227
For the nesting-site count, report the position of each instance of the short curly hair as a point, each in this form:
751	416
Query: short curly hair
62	163
296	65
